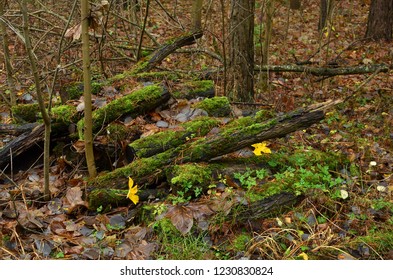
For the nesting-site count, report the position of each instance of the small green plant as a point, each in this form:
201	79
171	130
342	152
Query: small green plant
247	179
175	246
240	242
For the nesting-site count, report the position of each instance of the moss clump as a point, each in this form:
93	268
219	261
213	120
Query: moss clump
298	173
116	132
186	178
64	114
135	103
96	87
27	112
264	115
73	90
216	106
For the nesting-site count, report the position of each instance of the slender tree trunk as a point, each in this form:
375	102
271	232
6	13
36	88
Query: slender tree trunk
240	85
88	130
326	8
40	98
7	58
380	20
139	50
197	15
267	34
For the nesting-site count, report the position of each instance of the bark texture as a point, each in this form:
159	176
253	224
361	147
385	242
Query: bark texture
240	85
380	20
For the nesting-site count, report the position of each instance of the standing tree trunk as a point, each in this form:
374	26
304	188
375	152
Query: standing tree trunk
40	97
326	8
380	20
88	129
197	15
7	57
240	85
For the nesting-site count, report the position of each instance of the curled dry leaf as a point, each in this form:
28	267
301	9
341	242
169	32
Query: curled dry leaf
73	200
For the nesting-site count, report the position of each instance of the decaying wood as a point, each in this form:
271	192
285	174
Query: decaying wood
14	129
325	71
274	204
21	143
149	171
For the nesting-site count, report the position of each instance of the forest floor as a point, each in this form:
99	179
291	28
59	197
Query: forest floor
345	161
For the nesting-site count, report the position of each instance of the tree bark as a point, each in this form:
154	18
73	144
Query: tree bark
7	57
240	83
88	122
34	133
380	20
197	15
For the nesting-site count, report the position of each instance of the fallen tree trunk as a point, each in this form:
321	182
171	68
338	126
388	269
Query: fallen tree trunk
135	103
325	71
149	171
21	143
272	205
14	129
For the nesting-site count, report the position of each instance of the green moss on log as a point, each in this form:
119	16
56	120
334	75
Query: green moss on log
159	142
64	114
216	106
135	104
193	89
27	112
187	177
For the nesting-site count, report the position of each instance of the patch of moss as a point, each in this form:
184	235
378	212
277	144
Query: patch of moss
187	177
73	90
96	87
216	106
64	114
27	112
135	103
239	244
264	115
116	131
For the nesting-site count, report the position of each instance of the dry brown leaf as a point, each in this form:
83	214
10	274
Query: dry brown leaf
181	218
74	199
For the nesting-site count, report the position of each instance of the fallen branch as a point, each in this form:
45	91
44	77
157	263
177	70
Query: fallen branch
161	53
325	71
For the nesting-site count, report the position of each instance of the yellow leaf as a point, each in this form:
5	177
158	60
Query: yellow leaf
304	256
132	191
261	148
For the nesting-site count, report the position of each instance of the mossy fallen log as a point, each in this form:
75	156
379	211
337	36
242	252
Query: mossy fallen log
162	141
61	115
149	171
134	104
